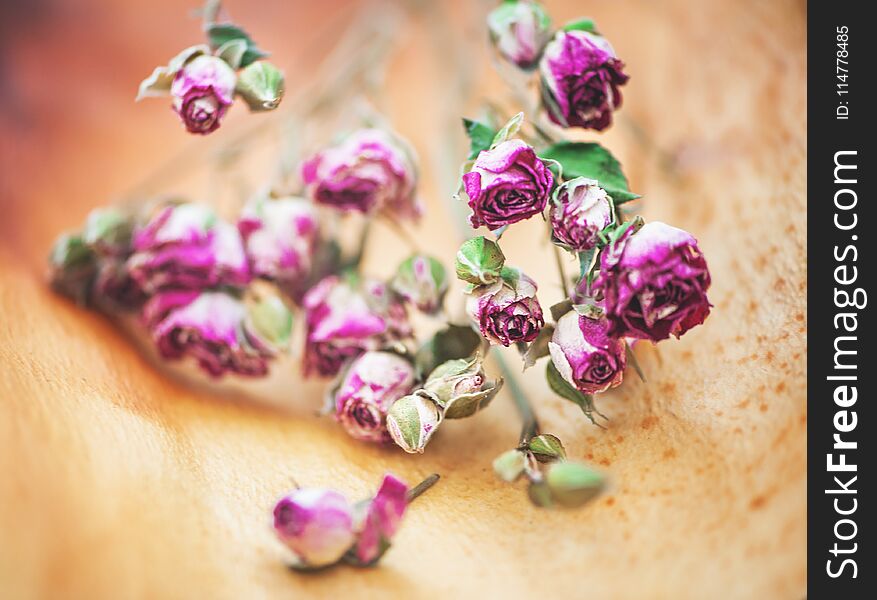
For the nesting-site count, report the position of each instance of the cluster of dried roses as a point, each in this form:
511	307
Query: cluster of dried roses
223	294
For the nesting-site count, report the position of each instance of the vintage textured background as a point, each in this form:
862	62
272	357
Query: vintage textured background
120	483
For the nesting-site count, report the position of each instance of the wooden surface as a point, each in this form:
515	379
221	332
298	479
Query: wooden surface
118	482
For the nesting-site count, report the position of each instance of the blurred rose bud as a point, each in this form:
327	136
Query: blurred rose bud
580	80
507	311
107	231
519	31
317	525
345	318
187	246
422	281
585	355
653	283
280	238
573	484
261	85
509	466
507	184
72	267
547	448
268	323
579	211
209	327
461	387
371	384
382	518
479	261
202	91
368	172
412	421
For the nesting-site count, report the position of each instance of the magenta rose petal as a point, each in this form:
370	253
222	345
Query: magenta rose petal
382	518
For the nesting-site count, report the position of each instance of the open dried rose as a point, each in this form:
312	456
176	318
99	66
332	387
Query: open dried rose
580	80
211	327
519	31
653	283
369	171
202	91
507	311
345	318
585	355
579	211
507	184
187	246
372	383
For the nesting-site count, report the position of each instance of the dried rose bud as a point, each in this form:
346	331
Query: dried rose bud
187	246
202	90
369	171
268	324
422	281
507	184
372	383
209	327
585	355
72	267
479	261
412	420
580	80
382	518
653	283
280	237
519	31
579	211
317	525
346	318
108	231
507	311
461	387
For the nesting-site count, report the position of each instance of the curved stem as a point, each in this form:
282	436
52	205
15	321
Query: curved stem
421	487
530	425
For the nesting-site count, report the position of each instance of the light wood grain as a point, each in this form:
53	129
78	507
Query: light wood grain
118	482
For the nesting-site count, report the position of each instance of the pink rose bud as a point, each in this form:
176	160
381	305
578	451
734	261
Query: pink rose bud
580	210
202	91
653	283
580	80
507	311
344	318
586	357
280	238
519	31
210	327
507	184
382	519
317	525
422	281
369	171
187	246
372	383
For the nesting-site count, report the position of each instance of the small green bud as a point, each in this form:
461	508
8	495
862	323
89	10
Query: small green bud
269	320
547	448
261	84
461	388
412	420
510	465
479	261
573	484
422	281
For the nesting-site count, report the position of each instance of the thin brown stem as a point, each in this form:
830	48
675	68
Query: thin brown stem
421	487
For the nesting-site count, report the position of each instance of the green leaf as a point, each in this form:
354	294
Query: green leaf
574	484
583	24
590	159
220	34
562	388
560	309
480	136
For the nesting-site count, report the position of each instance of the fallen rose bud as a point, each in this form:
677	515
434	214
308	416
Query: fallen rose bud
573	484
507	184
653	283
422	281
412	420
209	327
368	172
345	318
579	211
202	90
187	246
585	355
519	31
581	77
507	311
371	384
383	516
317	525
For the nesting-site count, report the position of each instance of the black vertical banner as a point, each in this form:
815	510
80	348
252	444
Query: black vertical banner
842	357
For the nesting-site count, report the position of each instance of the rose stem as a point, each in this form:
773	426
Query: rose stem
529	425
361	246
401	232
421	487
561	271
